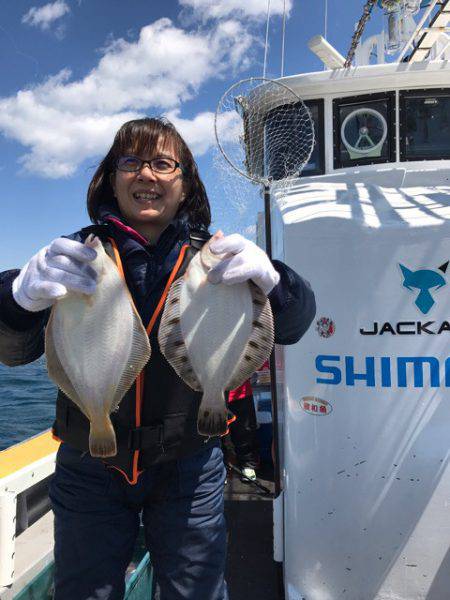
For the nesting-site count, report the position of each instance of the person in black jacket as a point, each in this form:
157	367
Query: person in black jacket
149	208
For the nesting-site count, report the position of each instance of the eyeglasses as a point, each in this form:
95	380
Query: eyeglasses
161	164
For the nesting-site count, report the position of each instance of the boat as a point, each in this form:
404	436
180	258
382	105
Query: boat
26	520
362	484
362	511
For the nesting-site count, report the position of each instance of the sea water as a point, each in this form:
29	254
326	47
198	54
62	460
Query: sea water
27	402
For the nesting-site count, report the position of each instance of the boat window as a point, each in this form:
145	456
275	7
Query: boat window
287	117
316	164
425	124
363	128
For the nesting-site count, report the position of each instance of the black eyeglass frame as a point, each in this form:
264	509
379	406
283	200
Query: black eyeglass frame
149	163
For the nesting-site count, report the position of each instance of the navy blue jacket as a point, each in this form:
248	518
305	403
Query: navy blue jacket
168	426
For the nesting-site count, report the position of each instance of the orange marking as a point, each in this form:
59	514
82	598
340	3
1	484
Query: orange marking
117	257
229	421
138	404
122	274
140	378
130	481
166	289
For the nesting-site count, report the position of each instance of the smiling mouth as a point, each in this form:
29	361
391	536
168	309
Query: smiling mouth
146	196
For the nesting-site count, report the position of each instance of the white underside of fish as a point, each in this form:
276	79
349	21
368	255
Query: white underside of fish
225	321
214	336
96	346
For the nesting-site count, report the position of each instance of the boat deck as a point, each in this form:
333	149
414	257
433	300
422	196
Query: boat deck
251	571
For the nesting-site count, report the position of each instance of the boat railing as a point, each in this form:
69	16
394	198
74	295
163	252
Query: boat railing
22	467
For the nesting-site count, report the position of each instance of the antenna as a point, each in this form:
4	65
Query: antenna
267	39
283	37
330	57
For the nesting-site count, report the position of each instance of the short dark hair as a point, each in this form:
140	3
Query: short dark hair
140	136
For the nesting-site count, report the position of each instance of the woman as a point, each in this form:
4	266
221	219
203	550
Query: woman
147	200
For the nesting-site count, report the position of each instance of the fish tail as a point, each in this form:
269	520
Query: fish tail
102	438
212	415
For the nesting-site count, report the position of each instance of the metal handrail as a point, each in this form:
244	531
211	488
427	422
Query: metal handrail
418	29
442	51
10	487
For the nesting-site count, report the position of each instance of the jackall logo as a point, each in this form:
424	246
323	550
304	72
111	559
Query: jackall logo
423	280
406	328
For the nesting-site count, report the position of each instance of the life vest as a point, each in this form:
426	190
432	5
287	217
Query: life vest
157	418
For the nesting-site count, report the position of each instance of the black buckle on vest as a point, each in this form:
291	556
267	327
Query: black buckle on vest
143	438
198	238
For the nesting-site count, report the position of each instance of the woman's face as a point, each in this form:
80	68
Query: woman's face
149	200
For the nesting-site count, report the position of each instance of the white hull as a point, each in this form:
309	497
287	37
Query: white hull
366	482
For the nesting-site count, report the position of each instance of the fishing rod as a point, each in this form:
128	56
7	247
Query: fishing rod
254	482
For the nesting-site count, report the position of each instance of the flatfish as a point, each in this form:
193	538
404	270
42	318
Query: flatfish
96	346
214	335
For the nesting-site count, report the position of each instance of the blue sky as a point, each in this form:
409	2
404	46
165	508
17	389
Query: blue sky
72	71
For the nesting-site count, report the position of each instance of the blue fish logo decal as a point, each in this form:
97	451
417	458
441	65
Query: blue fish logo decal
423	280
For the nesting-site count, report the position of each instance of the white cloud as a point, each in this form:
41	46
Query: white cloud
198	132
64	122
218	9
46	15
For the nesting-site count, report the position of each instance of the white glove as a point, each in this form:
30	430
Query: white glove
248	261
56	268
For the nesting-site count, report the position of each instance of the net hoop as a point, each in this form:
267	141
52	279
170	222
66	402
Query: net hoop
256	82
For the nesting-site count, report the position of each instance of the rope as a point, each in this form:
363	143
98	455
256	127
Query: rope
368	7
267	39
325	27
283	37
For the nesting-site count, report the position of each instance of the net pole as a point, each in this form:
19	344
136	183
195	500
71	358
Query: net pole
276	443
283	38
268	223
325	27
272	364
267	39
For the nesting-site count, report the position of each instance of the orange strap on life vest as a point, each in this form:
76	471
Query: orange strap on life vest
232	419
140	379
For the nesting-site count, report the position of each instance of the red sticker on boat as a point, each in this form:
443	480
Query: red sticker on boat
315	406
325	327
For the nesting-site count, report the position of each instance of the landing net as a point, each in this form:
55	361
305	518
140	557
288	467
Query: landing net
264	130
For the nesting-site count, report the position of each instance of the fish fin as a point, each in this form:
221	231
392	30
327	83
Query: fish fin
92	241
260	343
212	415
171	341
55	369
138	358
102	437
